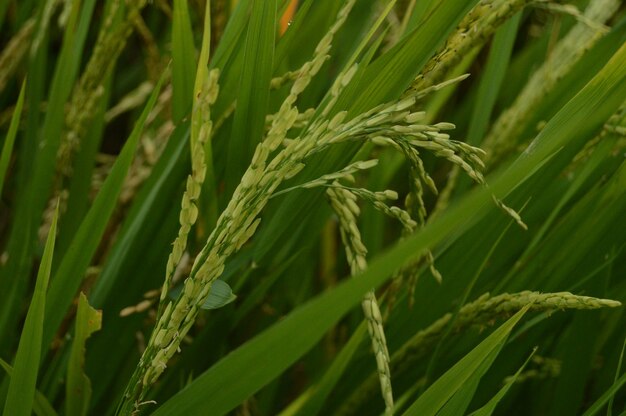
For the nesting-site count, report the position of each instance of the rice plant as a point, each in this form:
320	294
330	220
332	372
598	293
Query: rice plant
300	207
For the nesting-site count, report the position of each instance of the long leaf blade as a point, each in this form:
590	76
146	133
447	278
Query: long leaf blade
7	147
78	387
183	61
41	405
253	96
454	379
490	407
26	367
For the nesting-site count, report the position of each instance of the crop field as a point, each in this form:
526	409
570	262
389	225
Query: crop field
312	207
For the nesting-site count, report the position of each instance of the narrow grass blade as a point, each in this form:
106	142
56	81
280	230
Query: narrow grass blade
461	399
454	379
41	405
183	61
434	359
597	159
604	399
72	268
492	78
79	186
18	241
9	140
490	407
576	122
233	33
26	367
284	47
78	387
619	369
420	11
368	37
253	96
327	384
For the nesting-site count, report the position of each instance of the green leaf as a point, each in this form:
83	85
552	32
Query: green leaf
78	386
458	403
490	407
7	147
220	295
72	268
253	96
454	379
26	366
233	33
183	61
492	78
576	122
609	411
419	11
285	44
41	405
323	389
604	399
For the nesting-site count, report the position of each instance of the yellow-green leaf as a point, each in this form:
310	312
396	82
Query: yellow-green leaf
78	385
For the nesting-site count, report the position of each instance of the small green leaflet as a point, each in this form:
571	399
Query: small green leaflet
220	295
